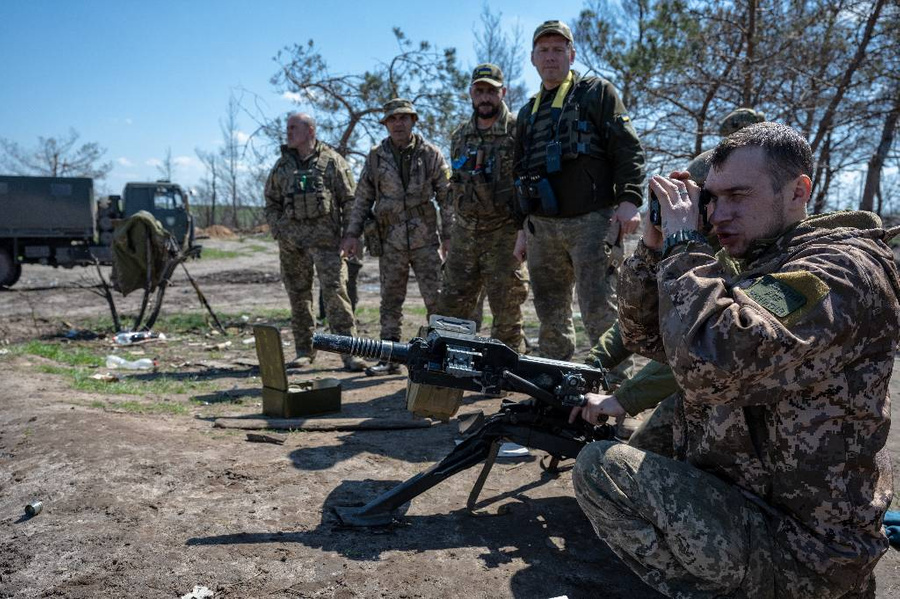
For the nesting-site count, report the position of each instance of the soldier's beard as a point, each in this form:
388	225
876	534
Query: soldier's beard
494	110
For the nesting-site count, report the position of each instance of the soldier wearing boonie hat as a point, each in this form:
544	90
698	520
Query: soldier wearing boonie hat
399	179
579	169
398	106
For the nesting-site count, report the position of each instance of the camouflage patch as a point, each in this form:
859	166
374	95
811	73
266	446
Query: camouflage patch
788	294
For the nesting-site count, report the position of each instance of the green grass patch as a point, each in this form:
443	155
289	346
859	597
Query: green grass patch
159	385
194	322
64	354
157	407
217	254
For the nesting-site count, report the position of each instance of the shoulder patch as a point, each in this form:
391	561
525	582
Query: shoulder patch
788	295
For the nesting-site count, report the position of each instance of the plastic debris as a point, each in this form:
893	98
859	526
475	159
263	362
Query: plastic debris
113	361
129	337
199	592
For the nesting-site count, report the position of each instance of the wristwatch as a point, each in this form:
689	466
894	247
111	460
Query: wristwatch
680	237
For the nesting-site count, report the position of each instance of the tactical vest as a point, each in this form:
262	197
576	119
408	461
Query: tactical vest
415	207
310	198
483	172
585	182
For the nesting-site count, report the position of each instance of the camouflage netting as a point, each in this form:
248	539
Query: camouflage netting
138	246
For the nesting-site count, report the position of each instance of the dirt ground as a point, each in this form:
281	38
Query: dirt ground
143	497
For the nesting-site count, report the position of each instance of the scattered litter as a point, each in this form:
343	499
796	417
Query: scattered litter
248	340
113	361
130	337
199	592
105	377
218	346
34	508
259	438
512	450
81	335
245	318
3	352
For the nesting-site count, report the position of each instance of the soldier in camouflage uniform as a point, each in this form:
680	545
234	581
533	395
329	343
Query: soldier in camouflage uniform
307	193
579	168
783	344
485	225
399	181
654	386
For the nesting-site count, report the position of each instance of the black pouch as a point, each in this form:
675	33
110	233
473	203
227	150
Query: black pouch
554	157
549	205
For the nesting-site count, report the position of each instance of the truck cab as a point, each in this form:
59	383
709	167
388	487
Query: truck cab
166	202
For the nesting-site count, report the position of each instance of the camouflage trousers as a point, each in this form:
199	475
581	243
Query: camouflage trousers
393	270
567	253
297	267
685	532
655	432
483	260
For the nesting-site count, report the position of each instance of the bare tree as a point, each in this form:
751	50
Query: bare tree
167	168
207	190
507	50
230	157
55	157
348	106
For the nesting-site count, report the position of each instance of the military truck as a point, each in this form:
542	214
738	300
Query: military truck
58	222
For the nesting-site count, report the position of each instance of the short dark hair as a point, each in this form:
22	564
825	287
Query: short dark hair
788	154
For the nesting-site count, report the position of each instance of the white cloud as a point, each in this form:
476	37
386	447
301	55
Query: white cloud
292	97
129	121
241	137
154	162
122	161
186	161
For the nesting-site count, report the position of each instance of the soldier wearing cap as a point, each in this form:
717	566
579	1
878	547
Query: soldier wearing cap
579	169
401	178
485	220
308	195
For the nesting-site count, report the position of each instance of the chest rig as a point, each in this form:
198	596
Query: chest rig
310	197
560	136
482	172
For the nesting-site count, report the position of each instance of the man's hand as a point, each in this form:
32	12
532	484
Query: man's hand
598	405
350	246
443	249
679	203
520	251
627	215
653	237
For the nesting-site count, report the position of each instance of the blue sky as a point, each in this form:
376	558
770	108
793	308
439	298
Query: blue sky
141	77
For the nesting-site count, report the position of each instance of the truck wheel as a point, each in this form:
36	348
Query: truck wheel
9	270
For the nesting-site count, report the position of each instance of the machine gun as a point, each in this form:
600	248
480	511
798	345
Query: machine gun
450	355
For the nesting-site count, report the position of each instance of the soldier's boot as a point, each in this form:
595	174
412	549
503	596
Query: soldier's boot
303	359
354	363
383	368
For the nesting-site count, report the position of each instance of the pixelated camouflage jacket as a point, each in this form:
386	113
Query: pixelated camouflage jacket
407	217
482	190
784	360
307	201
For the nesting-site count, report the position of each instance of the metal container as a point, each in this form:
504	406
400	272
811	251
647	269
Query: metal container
34	508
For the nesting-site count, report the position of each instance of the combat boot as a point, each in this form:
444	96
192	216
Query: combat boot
354	363
383	368
302	359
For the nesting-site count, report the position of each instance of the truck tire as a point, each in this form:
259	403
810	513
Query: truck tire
9	270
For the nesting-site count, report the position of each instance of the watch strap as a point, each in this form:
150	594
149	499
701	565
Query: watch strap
681	237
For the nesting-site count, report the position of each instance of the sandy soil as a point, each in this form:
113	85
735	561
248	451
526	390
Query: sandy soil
144	498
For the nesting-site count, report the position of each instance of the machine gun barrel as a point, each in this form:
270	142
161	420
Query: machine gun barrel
389	351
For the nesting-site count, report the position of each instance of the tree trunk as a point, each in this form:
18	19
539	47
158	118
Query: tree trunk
828	117
876	162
